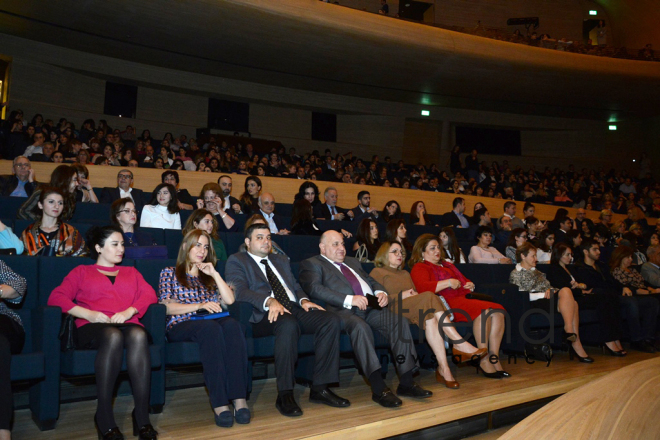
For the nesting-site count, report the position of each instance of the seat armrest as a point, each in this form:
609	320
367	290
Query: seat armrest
154	322
46	323
242	311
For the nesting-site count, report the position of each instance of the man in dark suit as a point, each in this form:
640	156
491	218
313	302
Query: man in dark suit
561	234
21	182
329	210
281	308
124	189
455	217
363	209
275	222
232	203
341	282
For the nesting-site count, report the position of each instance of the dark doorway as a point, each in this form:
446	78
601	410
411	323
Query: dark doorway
590	31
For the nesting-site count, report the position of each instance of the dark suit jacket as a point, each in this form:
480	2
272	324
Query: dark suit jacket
323	280
358	215
321	211
9	183
561	237
252	286
451	219
232	201
109	195
280	223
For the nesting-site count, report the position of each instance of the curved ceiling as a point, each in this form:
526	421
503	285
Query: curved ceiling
312	45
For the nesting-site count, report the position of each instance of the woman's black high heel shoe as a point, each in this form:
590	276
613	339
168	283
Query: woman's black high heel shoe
146	432
608	350
495	375
584	360
110	434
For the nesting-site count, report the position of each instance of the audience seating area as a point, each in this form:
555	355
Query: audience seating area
42	362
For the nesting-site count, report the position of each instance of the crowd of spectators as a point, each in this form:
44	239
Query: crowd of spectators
97	144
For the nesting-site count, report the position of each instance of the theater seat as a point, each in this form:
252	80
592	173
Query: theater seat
39	361
81	362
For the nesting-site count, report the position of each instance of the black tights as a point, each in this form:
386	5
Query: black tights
110	340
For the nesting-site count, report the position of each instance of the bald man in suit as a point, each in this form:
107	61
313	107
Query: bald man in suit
341	282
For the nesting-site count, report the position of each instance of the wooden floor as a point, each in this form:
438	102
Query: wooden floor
187	414
621	405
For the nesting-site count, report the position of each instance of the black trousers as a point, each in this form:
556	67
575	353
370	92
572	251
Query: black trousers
325	327
641	316
223	352
607	307
12	337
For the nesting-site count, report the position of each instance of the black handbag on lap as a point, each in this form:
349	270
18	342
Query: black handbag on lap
68	333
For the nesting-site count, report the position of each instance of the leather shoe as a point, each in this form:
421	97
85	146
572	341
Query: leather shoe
327	397
505	374
414	391
453	385
242	416
642	346
287	406
387	399
225	419
460	356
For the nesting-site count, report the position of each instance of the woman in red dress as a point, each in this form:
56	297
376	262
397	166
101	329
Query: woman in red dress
430	272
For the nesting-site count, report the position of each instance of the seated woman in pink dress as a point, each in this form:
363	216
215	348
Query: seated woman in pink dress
483	252
108	300
431	272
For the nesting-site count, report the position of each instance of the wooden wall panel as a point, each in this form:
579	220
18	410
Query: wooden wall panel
284	190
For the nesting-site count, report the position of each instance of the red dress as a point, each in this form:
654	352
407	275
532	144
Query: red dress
426	276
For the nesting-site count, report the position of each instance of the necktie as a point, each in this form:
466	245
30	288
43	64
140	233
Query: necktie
276	286
334	211
352	279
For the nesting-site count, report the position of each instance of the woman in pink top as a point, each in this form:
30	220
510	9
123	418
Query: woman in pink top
108	300
483	252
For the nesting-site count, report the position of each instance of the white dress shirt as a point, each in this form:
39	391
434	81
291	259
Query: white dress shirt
123	194
290	294
159	217
348	301
270	221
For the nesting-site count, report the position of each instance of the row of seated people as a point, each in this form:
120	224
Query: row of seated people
430	273
591	189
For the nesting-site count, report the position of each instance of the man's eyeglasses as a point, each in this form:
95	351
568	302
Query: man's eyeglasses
22	165
124	176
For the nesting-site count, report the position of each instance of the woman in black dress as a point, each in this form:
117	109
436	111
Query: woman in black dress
607	308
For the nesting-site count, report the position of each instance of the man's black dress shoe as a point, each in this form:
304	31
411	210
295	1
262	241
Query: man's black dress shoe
387	399
642	346
287	406
329	398
414	391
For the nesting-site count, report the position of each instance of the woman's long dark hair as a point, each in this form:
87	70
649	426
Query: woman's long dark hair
303	188
246	198
173	206
392	234
397	215
302	212
363	236
453	246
